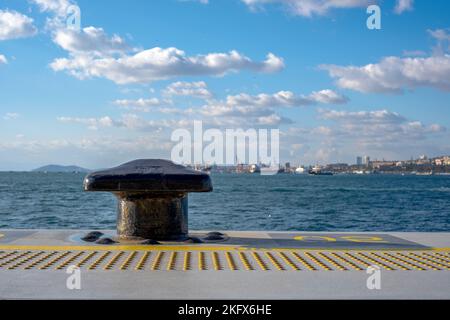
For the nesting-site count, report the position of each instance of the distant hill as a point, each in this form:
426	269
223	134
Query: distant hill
58	168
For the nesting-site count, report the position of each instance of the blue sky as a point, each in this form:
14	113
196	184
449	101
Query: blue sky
137	70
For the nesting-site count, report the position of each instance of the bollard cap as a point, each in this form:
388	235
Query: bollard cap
148	175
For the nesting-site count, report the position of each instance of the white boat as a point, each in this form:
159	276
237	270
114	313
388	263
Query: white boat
300	170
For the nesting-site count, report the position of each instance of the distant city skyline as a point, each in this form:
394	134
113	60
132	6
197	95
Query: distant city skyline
115	89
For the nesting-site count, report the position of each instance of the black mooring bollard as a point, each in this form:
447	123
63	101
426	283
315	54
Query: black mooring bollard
152	194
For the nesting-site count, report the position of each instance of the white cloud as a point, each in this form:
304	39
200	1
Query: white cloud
127	121
403	5
15	25
158	64
377	126
328	97
308	8
142	105
57	7
440	34
286	99
3	59
197	89
11	116
89	40
362	117
273	120
378	133
414	53
394	74
91	123
198	1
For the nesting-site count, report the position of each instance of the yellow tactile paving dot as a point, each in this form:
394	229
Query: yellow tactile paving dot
446	257
59	257
172	261
157	260
142	261
345	261
25	260
230	261
216	261
39	261
432	262
288	261
254	260
187	261
318	262
99	260
436	259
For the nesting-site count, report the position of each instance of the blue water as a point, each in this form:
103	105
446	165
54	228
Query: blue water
244	202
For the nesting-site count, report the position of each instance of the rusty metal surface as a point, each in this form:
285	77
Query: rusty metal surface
156	217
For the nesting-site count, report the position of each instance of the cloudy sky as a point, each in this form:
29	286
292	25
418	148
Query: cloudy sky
116	89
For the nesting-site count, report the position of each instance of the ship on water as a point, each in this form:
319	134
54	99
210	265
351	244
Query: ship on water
319	171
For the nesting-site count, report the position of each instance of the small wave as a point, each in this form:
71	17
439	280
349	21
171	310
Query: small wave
441	189
284	189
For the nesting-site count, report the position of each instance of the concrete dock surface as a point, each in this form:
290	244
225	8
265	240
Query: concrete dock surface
58	264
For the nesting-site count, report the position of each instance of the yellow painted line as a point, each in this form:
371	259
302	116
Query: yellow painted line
197	247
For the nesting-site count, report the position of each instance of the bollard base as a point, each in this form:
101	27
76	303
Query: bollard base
152	216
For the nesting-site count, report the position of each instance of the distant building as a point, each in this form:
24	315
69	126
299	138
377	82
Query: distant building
359	161
442	161
366	161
